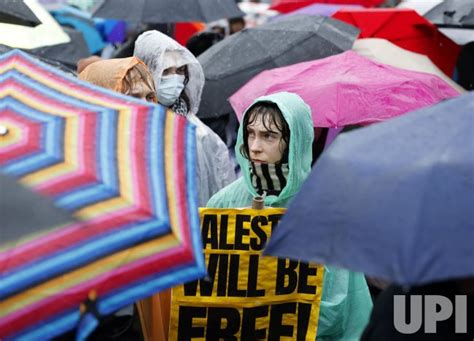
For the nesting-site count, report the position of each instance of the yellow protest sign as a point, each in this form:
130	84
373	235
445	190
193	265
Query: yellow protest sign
246	295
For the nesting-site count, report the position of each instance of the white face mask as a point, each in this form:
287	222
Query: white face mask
170	88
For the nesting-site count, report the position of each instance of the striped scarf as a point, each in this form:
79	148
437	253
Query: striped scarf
180	107
268	177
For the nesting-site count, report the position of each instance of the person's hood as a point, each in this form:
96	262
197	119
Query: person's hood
159	52
298	116
109	73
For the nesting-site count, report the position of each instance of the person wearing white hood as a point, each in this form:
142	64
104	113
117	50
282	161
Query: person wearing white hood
179	80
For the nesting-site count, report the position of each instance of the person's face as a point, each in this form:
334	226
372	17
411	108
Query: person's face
236	27
140	89
265	145
173	70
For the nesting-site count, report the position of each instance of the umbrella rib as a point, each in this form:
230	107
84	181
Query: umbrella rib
201	10
329	41
142	15
297	43
268	58
322	37
416	225
387	22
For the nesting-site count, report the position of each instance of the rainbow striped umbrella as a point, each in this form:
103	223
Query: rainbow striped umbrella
126	171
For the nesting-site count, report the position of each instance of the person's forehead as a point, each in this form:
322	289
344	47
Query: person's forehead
173	58
140	87
138	77
134	74
257	122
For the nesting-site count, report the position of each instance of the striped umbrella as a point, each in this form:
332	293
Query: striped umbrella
125	169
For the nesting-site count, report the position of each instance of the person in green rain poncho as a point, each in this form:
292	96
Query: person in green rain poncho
275	157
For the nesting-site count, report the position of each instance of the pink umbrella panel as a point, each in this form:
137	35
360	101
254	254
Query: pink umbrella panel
347	89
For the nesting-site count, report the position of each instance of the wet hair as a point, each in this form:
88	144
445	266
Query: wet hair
138	73
269	113
186	81
465	66
238	21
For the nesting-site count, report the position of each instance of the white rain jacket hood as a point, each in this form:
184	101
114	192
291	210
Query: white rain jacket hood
214	167
159	52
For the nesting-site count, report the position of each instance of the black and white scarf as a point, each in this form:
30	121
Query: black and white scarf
268	177
180	107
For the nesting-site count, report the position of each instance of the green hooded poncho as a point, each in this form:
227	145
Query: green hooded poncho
346	303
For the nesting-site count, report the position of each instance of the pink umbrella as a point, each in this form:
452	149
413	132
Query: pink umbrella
347	89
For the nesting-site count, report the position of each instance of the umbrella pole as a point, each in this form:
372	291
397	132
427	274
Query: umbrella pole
151	319
257	203
164	300
158	329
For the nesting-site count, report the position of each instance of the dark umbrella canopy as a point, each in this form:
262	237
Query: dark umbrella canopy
15	200
17	13
67	54
229	64
56	64
393	200
468	20
168	11
452	13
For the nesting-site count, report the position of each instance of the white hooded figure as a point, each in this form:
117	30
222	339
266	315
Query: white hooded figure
179	80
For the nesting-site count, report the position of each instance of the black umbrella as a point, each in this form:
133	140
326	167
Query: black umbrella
169	11
16	12
56	64
453	13
468	20
68	53
232	62
63	56
23	211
